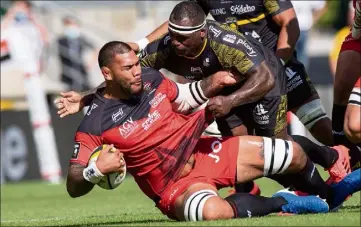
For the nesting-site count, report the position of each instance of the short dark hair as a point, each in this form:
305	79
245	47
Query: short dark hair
110	50
69	18
190	10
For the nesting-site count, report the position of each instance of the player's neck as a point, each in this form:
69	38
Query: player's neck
112	92
200	50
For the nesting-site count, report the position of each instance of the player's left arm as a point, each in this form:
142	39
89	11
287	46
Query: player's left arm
259	81
248	62
284	16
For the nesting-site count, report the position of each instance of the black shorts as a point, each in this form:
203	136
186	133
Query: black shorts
299	86
267	117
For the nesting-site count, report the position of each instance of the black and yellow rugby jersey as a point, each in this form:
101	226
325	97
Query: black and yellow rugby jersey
250	17
225	48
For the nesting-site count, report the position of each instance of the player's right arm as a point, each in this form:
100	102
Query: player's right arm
239	54
153	36
81	178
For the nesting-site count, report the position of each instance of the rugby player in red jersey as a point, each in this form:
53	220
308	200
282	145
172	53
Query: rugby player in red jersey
144	116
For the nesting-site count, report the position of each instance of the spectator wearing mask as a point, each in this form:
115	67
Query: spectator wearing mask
71	47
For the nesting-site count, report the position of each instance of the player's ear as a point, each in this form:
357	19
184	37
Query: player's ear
203	33
106	73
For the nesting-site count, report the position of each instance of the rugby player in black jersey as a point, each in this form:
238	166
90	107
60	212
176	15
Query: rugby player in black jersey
275	25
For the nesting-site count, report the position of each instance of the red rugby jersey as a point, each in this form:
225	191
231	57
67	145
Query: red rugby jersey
155	140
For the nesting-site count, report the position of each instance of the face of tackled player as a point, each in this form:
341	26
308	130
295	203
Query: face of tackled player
187	44
125	71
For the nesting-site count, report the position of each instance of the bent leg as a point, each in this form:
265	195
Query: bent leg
314	118
261	156
304	102
352	125
200	202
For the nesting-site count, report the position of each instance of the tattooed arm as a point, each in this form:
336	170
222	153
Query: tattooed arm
76	185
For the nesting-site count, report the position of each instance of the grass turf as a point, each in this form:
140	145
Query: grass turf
39	204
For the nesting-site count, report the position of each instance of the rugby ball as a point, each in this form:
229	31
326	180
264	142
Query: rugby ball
111	180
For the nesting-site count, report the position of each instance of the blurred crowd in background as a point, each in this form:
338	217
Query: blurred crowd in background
62	39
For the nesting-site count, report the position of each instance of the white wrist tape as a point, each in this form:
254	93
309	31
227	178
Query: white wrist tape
142	43
92	173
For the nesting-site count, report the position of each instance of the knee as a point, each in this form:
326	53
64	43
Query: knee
216	208
206	205
352	129
299	158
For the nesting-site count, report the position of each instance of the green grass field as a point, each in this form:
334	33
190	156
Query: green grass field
39	204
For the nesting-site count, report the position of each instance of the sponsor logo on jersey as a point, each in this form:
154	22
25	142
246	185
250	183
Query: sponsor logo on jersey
196	70
255	35
147	86
152	117
293	80
128	127
206	62
230	20
249	49
142	54
157	99
93	107
260	115
216	12
231	38
216	32
76	150
241	9
116	116
166	39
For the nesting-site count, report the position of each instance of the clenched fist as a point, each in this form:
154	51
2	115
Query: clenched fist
219	106
110	160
